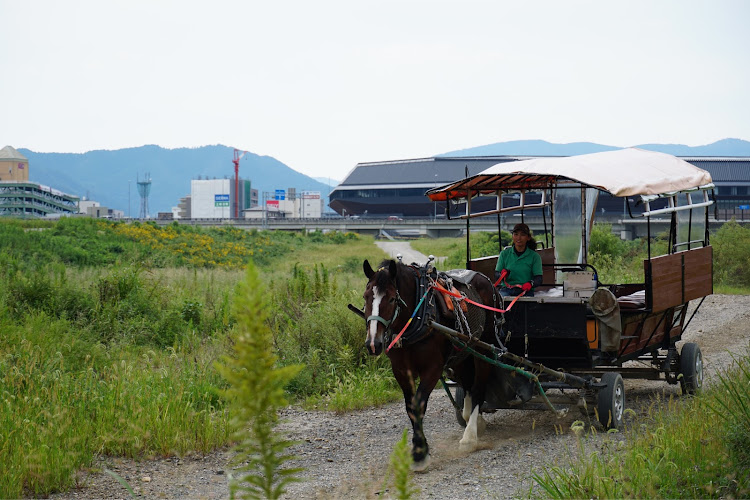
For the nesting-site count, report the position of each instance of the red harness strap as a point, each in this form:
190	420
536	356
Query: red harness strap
503	275
459	296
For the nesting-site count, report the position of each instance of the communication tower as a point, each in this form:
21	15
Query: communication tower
144	189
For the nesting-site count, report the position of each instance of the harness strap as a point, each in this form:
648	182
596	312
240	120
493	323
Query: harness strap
456	295
409	322
379	319
459	296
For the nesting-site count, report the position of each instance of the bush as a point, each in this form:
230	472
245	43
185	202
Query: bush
731	245
313	326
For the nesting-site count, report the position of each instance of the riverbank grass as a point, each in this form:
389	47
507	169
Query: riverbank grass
686	448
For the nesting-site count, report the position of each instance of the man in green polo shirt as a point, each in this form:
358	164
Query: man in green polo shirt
521	264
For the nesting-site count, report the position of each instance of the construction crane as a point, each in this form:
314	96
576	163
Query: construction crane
236	161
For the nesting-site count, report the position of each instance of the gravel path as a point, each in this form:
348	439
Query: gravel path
346	456
408	254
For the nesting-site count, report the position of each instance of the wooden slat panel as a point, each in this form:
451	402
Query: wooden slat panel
698	273
548	258
485	265
666	282
680	277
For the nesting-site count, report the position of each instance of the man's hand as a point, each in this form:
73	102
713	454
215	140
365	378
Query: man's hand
526	287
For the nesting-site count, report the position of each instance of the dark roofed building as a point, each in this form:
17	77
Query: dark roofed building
398	187
387	188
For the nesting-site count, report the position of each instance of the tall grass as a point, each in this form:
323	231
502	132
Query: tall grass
108	342
66	397
694	448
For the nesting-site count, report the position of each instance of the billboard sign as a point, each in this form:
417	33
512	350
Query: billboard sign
221	200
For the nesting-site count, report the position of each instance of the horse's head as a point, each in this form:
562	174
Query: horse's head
382	304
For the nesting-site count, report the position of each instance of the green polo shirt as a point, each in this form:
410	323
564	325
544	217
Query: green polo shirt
522	267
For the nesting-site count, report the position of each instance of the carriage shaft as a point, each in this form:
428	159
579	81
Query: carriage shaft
572	380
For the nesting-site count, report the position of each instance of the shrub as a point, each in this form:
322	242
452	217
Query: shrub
731	245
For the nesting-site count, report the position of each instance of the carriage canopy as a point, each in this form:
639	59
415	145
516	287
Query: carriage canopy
624	172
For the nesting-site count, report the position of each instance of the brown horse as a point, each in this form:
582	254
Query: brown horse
392	296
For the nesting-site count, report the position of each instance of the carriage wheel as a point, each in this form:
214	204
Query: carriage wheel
459	399
691	368
611	401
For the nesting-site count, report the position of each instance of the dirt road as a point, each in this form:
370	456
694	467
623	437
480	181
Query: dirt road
403	248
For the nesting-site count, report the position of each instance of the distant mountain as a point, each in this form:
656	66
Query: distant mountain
724	147
331	183
109	177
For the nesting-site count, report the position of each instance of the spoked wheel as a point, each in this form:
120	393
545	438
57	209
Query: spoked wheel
691	368
459	399
611	401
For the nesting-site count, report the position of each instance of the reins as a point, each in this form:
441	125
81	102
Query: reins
446	292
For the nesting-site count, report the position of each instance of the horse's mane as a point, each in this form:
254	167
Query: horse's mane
383	279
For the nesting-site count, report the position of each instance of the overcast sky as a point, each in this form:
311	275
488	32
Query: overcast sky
322	85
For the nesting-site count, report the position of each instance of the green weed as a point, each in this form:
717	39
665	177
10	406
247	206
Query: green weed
257	392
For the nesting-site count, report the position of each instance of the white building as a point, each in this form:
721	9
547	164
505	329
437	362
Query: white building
85	205
215	198
289	205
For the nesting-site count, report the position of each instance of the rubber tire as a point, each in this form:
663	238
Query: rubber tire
691	368
611	401
459	399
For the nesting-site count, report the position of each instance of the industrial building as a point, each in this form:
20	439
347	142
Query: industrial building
290	205
216	198
397	188
22	198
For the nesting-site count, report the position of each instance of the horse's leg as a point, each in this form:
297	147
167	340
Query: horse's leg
475	423
427	382
415	398
416	404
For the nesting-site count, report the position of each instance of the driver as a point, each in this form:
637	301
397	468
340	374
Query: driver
520	263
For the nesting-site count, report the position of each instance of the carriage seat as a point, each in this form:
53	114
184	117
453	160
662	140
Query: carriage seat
633	302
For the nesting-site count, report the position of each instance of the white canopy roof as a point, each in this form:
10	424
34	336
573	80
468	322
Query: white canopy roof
624	172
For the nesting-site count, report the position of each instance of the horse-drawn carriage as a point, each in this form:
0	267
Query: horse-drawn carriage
572	343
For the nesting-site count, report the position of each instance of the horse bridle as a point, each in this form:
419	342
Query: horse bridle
387	323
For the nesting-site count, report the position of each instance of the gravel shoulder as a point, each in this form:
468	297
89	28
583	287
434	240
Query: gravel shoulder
346	455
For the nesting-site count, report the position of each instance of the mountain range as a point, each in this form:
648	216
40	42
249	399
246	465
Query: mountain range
110	177
724	147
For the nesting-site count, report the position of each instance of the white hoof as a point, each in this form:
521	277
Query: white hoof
467	445
469	440
422	465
